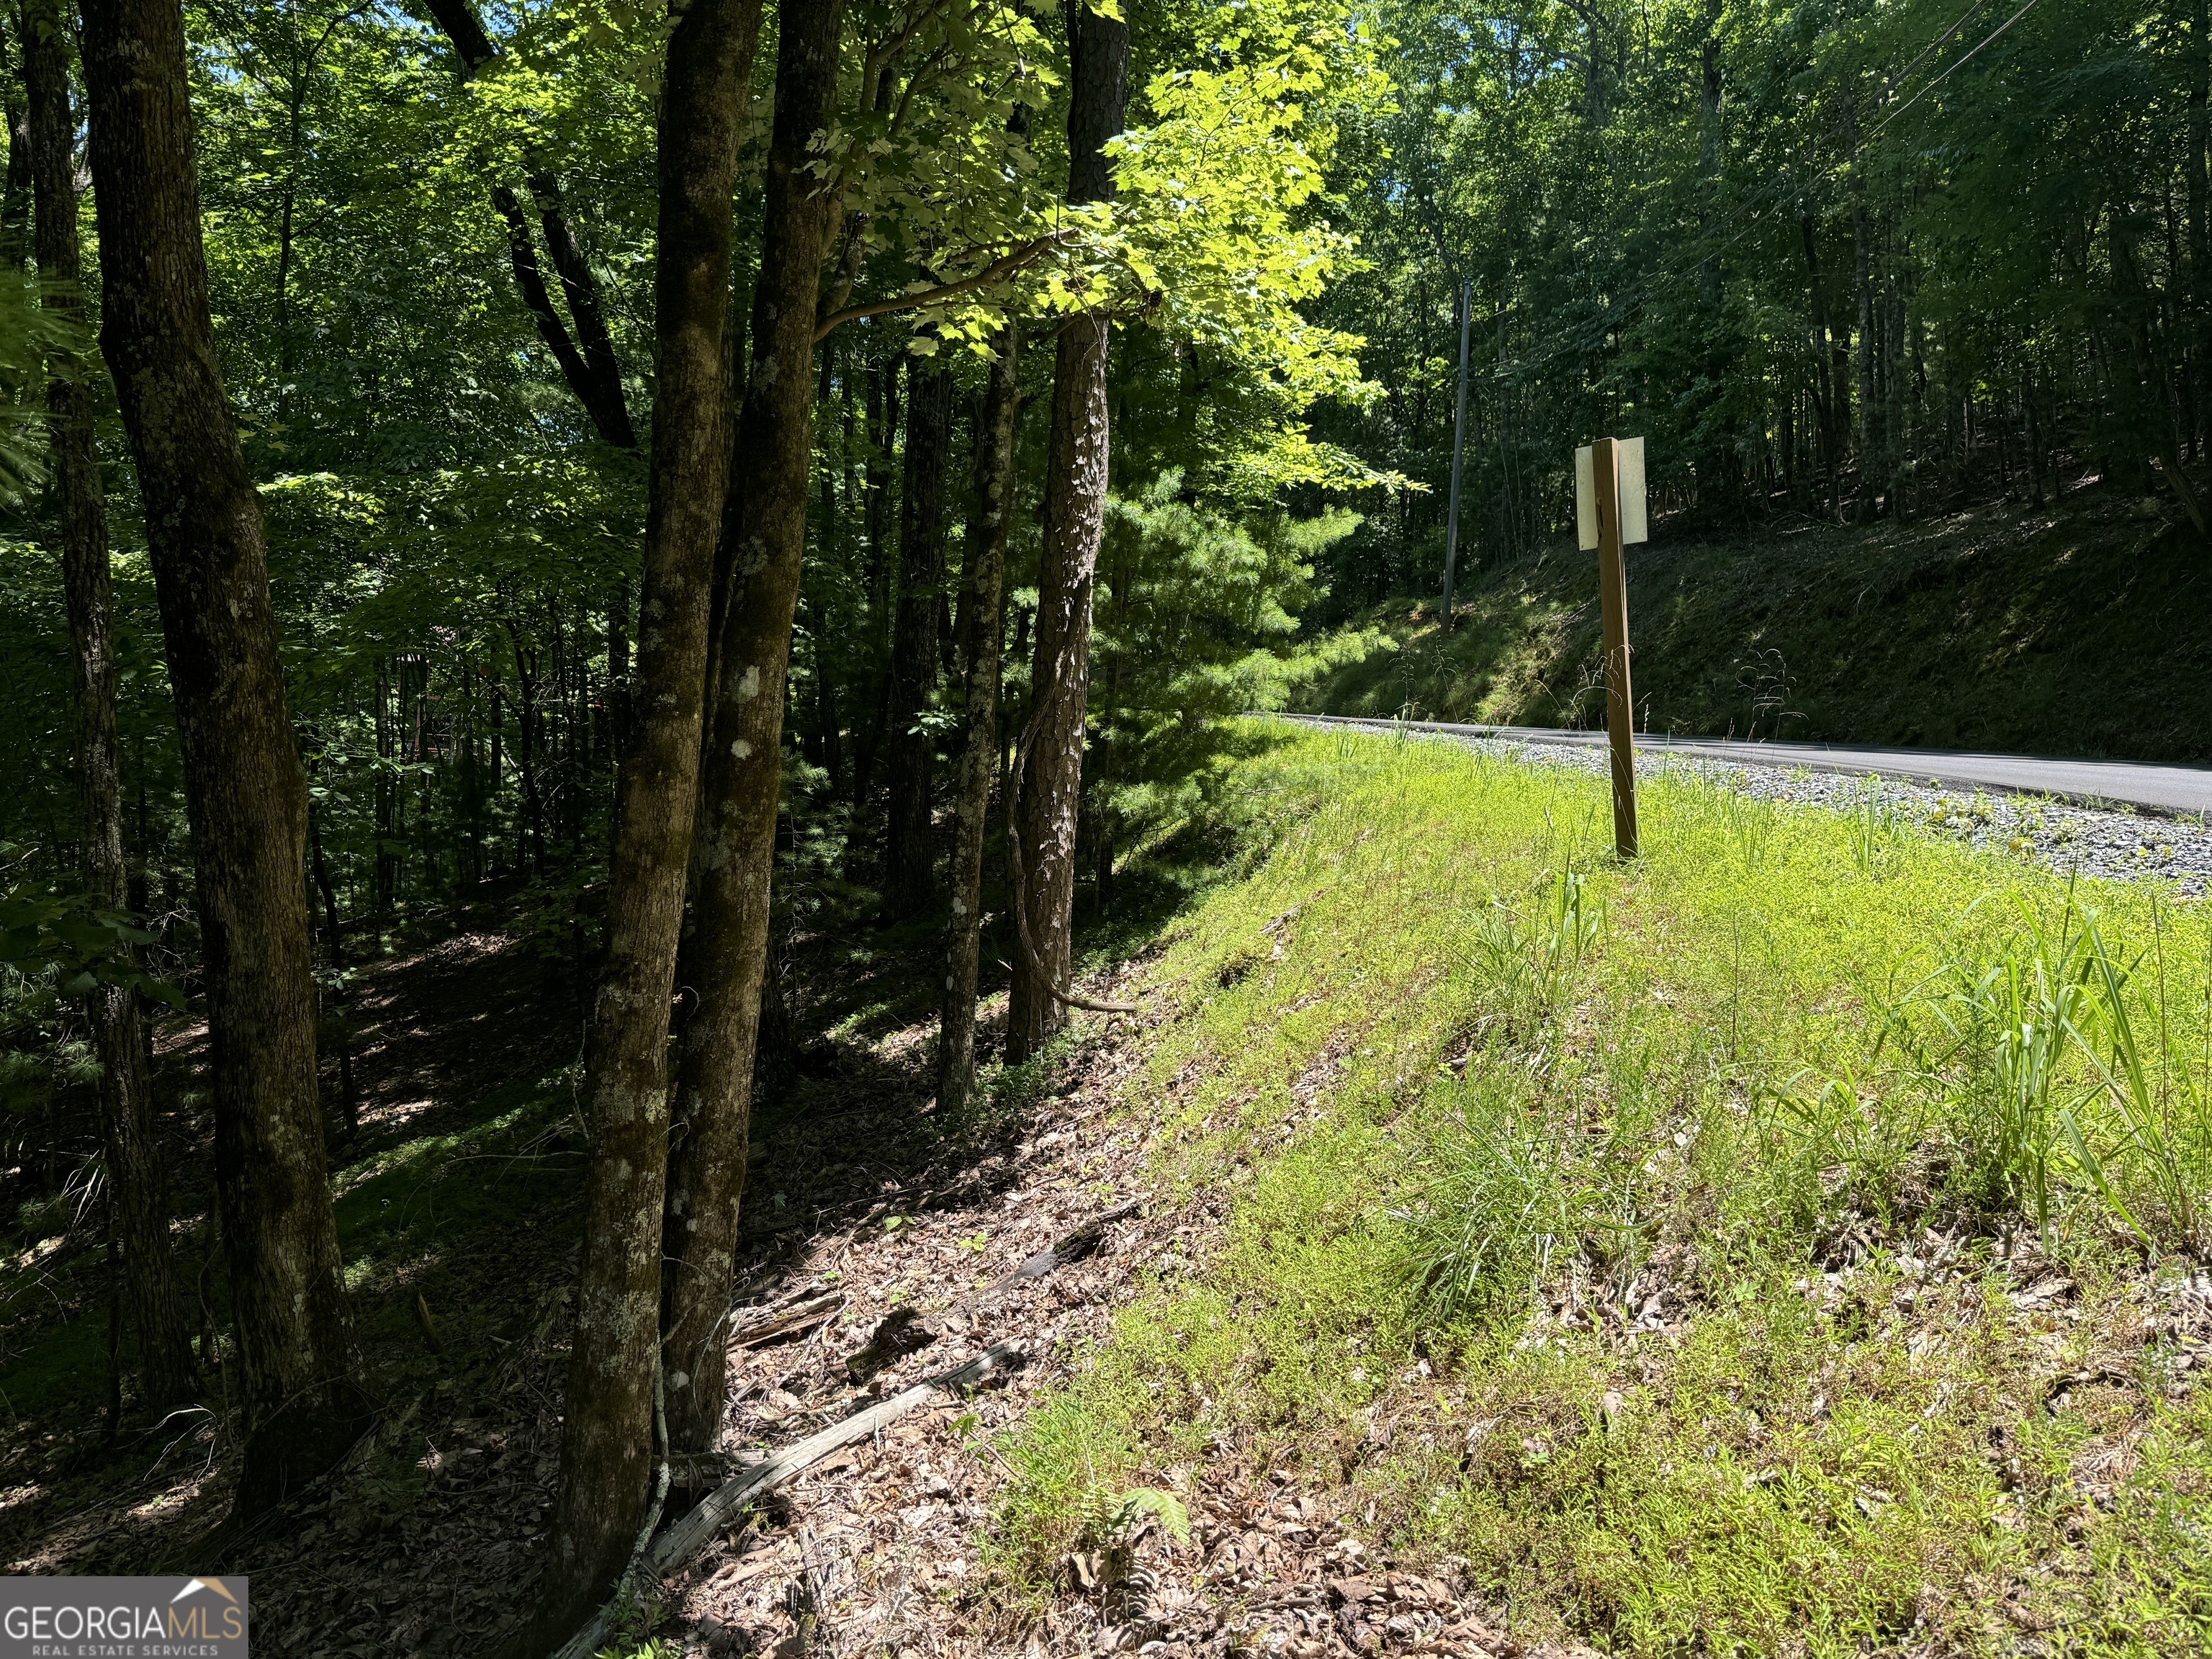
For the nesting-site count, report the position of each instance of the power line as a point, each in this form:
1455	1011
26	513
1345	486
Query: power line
1789	187
1933	47
1946	75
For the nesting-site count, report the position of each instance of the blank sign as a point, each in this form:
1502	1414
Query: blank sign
1628	463
1628	471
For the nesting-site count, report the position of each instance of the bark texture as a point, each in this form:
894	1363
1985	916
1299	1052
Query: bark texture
764	531
245	793
1074	515
909	865
139	1210
607	1431
982	628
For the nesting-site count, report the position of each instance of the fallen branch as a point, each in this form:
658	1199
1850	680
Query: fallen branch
903	1331
782	1321
1061	1251
689	1534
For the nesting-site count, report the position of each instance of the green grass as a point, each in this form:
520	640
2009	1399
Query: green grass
1663	1241
1995	627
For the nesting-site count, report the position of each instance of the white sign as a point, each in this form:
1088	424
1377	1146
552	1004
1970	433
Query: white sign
1628	475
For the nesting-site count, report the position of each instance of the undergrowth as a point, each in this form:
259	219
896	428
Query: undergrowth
1782	1244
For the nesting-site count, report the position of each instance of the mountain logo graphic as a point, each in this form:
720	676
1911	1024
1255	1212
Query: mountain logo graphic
192	1584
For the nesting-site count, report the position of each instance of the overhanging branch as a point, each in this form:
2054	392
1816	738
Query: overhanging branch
997	270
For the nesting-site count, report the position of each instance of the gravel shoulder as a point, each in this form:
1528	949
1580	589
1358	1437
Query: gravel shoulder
2114	845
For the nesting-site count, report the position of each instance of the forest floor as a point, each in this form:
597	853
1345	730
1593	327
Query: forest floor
1510	1253
2067	629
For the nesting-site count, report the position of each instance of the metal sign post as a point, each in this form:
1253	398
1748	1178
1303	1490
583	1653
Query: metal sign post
1609	514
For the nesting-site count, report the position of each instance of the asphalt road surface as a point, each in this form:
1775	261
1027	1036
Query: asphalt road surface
2176	789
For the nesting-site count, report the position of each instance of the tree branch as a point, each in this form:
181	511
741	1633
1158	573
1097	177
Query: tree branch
997	270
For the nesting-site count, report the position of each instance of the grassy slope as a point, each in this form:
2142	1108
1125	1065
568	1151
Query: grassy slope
1585	1274
2076	633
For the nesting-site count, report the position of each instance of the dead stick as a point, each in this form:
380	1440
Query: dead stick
689	1535
796	1316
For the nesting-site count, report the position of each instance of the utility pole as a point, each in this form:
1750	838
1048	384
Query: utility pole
1459	445
1610	514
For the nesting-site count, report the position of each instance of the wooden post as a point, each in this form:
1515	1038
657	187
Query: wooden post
1613	598
1459	443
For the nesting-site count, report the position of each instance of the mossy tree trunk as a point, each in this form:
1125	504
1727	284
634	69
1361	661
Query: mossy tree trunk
764	535
1051	783
607	1428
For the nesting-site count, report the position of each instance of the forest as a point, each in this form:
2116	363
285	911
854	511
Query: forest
765	523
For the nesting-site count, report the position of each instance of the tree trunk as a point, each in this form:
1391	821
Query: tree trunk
607	1428
909	872
385	882
244	790
525	745
15	194
1869	404
1074	517
2194	160
138	1212
875	518
334	953
982	631
764	535
605	402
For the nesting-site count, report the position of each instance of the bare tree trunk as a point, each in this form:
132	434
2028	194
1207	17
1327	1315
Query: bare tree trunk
245	794
139	1210
607	1425
909	871
1074	518
334	953
385	882
1870	405
875	518
15	193
982	631
526	745
764	535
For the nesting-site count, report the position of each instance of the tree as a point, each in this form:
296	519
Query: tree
909	867
587	359
247	798
614	1369
1049	770
139	1228
762	539
982	634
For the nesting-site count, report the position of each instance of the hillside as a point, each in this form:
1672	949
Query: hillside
2067	631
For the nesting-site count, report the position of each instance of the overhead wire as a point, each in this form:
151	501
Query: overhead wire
1787	187
1946	75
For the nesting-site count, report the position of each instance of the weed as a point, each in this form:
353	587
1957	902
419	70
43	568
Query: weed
2166	1122
2013	1023
1514	1187
1874	825
1524	968
1750	824
1662	1231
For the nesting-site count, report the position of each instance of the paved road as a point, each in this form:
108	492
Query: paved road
2177	789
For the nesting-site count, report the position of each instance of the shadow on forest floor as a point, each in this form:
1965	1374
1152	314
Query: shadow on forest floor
458	1211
